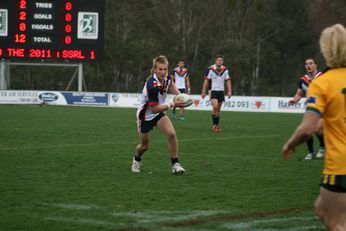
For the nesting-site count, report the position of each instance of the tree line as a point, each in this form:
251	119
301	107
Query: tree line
264	42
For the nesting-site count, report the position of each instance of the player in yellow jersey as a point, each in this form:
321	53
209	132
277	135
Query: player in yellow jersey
326	98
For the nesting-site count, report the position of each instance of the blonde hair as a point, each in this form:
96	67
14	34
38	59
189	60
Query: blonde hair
159	59
333	45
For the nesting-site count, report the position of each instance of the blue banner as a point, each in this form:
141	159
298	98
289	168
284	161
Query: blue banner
86	98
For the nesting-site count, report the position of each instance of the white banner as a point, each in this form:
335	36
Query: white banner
280	104
132	100
54	98
235	103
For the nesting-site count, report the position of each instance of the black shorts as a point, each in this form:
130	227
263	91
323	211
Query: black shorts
182	90
334	183
219	95
147	125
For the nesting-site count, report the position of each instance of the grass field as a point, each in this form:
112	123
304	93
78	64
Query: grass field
68	168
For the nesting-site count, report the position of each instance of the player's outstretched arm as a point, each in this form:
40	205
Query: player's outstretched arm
297	97
304	131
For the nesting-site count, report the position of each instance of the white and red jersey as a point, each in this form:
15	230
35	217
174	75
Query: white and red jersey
180	76
153	93
217	76
305	81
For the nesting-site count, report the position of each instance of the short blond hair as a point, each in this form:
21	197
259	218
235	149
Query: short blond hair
159	59
333	45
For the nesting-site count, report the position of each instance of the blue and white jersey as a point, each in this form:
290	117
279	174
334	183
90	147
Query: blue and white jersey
153	93
305	81
180	77
217	76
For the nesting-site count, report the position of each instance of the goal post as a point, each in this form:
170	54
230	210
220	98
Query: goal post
5	73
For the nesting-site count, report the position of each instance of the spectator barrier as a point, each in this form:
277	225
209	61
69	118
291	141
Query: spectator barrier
132	100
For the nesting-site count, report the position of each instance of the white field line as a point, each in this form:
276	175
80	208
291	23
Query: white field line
157	217
138	218
135	142
167	216
311	227
72	206
83	221
249	225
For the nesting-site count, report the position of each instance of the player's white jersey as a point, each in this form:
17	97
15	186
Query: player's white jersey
305	81
180	77
153	93
217	77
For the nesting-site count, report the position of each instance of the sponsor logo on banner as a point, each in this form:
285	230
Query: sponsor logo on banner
115	97
196	102
86	98
48	97
280	104
259	104
284	105
19	97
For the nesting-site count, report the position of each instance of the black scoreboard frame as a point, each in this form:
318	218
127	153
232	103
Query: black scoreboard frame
52	30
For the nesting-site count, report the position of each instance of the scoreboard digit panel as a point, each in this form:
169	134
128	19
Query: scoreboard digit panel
52	30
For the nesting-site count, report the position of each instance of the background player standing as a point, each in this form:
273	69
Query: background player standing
304	82
218	76
181	78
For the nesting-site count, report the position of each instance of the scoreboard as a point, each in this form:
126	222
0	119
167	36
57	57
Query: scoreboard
52	30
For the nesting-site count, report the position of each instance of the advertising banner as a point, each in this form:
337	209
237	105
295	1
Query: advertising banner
86	98
235	103
31	97
54	98
280	104
129	100
19	97
132	100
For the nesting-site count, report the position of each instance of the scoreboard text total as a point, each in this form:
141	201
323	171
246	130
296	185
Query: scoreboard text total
70	30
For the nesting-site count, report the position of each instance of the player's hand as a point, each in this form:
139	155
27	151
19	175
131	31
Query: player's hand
203	94
287	151
229	95
291	102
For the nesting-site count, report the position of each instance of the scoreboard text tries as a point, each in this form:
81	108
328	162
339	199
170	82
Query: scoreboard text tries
52	30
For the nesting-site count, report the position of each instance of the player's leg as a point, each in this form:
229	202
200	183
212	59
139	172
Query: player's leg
331	209
174	112
218	98
322	149
182	110
144	128
144	139
215	114
310	145
166	127
143	146
319	135
181	113
219	113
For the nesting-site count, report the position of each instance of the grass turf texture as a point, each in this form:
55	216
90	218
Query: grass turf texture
68	168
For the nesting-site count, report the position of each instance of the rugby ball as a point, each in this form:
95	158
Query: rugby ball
184	98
